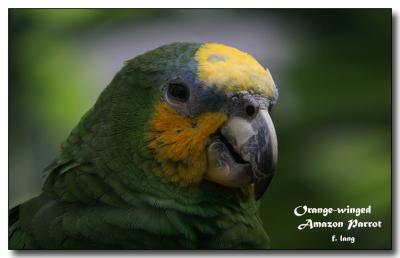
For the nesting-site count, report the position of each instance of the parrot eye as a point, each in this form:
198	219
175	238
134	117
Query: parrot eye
178	91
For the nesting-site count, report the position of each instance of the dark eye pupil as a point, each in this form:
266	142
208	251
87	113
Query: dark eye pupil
178	91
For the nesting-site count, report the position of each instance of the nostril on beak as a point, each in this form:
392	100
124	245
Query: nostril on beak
250	110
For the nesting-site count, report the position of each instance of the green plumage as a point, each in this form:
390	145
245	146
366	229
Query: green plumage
102	191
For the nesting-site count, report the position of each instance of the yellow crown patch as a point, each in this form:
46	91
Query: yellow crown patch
232	70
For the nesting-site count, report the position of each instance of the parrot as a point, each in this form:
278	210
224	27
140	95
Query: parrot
175	153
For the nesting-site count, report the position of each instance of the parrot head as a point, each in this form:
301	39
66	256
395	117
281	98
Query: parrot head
201	112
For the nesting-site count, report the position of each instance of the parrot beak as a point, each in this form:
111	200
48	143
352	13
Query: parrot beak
245	151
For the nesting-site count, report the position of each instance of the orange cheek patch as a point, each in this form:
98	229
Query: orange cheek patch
179	143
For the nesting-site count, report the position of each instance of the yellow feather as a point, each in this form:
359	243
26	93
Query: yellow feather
232	70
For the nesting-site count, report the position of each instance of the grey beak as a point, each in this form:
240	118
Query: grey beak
256	143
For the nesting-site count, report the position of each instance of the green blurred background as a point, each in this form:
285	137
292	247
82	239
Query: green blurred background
333	118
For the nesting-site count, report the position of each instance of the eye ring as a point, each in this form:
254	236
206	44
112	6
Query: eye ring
178	91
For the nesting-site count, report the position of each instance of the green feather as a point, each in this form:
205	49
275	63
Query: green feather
104	190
